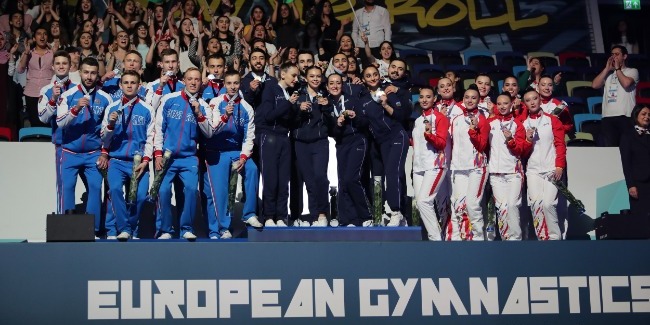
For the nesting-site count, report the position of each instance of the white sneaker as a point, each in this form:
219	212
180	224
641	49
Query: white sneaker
334	223
395	219
367	223
96	238
321	222
214	237
305	224
165	236
351	225
297	223
226	235
269	223
124	235
253	222
111	237
189	235
280	223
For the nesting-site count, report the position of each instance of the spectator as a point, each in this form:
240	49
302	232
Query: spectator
331	27
183	41
141	38
152	66
260	32
374	21
117	51
127	16
37	62
257	17
75	58
290	55
89	49
58	36
227	8
160	26
14	8
286	21
618	98
224	35
310	10
86	11
7	64
346	46
387	54
311	39
635	157
47	16
530	78
624	38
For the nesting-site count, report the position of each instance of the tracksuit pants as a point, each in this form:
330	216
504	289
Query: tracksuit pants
427	185
59	183
506	189
542	199
393	155
353	205
312	159
215	188
187	168
71	164
467	188
119	177
275	154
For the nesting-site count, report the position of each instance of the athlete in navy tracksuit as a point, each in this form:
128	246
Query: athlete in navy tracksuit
232	141
179	119
346	119
47	104
79	115
272	123
385	117
127	129
254	82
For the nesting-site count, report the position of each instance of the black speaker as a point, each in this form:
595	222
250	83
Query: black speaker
70	227
622	226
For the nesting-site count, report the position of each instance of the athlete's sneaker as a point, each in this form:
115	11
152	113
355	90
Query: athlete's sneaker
112	237
395	219
189	236
253	222
321	222
297	223
305	223
269	223
351	225
214	237
124	236
226	235
165	236
280	223
368	223
334	223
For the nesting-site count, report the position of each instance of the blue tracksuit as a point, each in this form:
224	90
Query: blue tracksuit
47	115
232	140
213	89
132	132
393	143
351	148
254	98
177	130
154	96
312	152
112	87
81	146
272	121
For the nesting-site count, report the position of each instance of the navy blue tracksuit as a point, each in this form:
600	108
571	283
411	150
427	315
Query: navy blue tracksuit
272	122
392	141
351	147
312	152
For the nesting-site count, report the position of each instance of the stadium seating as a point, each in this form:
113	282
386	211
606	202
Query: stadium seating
497	73
574	59
592	127
463	71
580	118
425	72
35	134
447	58
598	60
517	70
413	57
643	89
478	59
5	134
592	102
571	85
510	59
547	58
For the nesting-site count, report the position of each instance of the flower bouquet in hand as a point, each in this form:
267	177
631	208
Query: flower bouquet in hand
158	176
232	185
133	187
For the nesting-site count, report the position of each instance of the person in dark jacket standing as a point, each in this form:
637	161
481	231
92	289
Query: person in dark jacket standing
635	155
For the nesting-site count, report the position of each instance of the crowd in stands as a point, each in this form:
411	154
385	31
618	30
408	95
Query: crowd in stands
266	89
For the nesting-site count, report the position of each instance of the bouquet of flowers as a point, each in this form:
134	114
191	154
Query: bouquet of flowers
415	214
232	186
377	201
490	231
158	176
577	204
133	187
557	110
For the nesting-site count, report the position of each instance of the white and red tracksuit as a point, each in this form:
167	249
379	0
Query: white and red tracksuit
548	153
550	104
444	193
468	176
431	154
507	173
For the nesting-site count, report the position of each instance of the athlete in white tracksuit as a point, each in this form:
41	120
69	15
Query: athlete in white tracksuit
546	163
507	145
431	153
469	133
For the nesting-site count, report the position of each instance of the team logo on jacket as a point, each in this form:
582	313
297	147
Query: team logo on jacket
398	104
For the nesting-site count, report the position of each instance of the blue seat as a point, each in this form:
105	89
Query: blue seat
463	71
415	98
579	118
467	55
412	52
510	59
500	85
517	70
570	100
552	71
35	134
592	101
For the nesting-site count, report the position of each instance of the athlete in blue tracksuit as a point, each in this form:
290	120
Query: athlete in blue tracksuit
79	115
112	87
385	123
47	104
234	131
272	123
168	82
312	145
179	119
214	87
127	129
346	124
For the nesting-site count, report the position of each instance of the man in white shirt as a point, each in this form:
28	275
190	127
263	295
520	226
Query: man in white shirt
374	21
619	95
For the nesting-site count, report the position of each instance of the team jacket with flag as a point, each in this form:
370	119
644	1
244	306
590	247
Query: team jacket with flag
153	95
310	125
81	128
112	87
505	157
133	131
549	106
212	89
383	126
47	109
177	129
273	114
354	126
234	133
549	150
254	97
469	145
453	109
431	150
